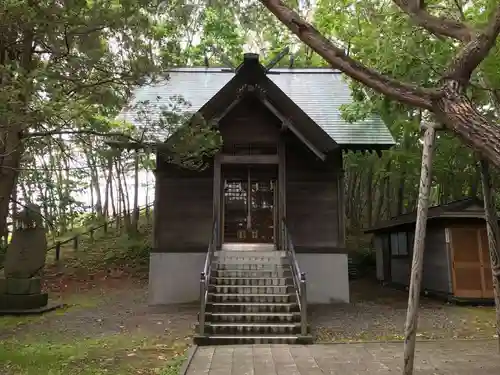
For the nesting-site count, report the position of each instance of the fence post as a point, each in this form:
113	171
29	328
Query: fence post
75	243
58	250
92	235
105	227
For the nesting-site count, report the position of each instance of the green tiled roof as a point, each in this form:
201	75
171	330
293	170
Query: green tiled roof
318	92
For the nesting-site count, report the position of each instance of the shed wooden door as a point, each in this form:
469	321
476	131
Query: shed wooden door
471	266
486	264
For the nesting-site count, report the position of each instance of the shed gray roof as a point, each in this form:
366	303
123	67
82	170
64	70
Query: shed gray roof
318	92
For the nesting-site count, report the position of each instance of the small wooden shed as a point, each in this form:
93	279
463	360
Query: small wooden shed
456	259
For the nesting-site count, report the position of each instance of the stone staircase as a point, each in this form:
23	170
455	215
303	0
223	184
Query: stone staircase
251	299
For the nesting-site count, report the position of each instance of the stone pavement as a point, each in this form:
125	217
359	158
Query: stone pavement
432	358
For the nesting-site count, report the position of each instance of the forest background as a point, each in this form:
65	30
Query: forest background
68	68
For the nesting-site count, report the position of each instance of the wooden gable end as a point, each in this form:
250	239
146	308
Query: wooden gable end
241	96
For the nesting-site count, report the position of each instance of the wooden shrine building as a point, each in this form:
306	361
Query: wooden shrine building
280	164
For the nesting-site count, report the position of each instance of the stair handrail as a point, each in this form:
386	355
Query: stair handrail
299	277
205	277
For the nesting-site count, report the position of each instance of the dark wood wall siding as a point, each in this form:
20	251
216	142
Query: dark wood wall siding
185	198
249	122
312	199
436	268
184	217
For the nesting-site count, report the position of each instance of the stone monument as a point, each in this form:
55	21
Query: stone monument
21	287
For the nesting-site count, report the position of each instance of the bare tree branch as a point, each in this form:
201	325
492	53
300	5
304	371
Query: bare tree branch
439	26
475	51
404	92
50	133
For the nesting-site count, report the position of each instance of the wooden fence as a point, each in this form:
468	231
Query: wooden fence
76	238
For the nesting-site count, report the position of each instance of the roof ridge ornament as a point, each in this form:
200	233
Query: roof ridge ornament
247	88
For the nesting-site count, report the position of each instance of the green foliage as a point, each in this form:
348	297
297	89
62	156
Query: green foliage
129	251
90	356
192	141
174	366
115	249
379	35
88	55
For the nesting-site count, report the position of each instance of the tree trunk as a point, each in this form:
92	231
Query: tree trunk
10	161
357	206
94	175
493	236
126	203
418	250
387	194
125	188
121	197
135	217
11	145
458	113
369	194
401	192
111	190
92	202
381	191
108	189
351	190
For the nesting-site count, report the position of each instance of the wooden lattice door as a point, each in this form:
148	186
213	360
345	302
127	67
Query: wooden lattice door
249	209
471	265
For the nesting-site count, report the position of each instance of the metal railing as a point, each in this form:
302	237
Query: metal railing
299	278
205	277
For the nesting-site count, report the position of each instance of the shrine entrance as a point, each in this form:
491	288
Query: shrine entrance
249	203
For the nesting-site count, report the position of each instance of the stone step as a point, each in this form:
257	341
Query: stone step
252	307
248	247
249	297
250	267
257	256
258	281
252	328
247	339
251	289
264	263
236	253
252	339
259	317
267	274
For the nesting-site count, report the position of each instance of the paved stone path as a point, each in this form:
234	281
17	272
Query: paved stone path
432	358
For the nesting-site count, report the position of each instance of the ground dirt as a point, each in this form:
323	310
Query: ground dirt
378	313
108	328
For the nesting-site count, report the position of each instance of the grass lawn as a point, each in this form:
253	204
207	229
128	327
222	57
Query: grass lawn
106	327
116	354
83	340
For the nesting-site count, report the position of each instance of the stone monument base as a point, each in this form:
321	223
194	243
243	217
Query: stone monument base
23	296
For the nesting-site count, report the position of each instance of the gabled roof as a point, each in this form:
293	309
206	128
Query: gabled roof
469	208
318	92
